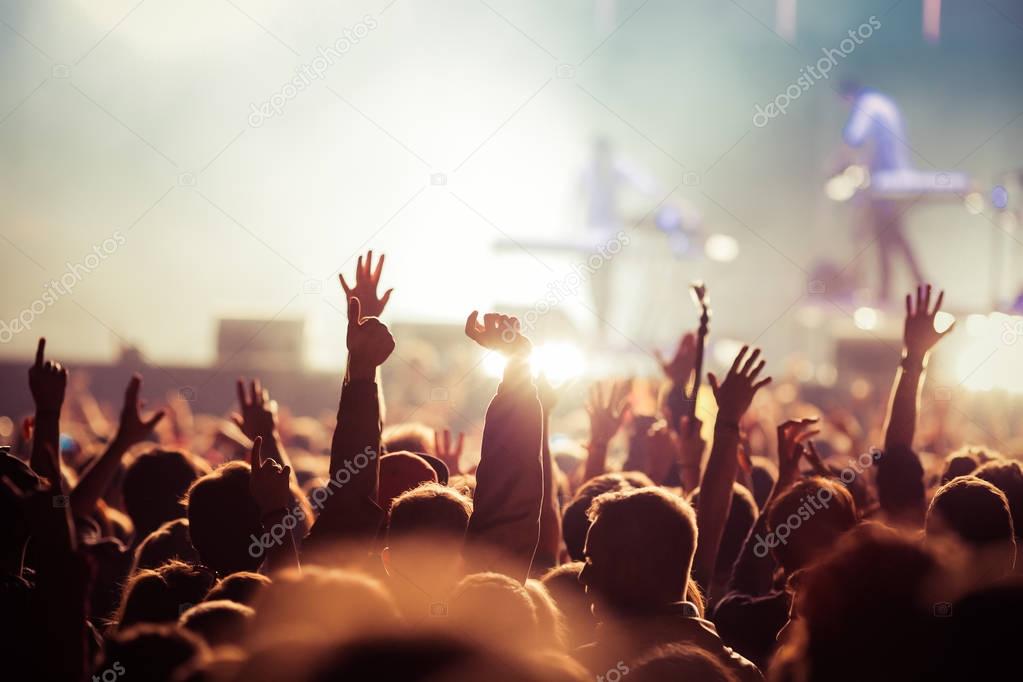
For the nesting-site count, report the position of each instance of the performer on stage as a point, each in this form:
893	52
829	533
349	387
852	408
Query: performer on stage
875	119
603	178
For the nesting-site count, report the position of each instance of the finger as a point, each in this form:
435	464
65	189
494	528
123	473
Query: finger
154	420
369	264
805	435
937	304
344	284
237	419
379	268
760	384
257	392
927	299
490	321
286	471
255	458
713	380
358	271
749	362
447	440
756	370
131	393
437	450
471	324
659	358
240	388
909	305
738	359
40	351
386	297
919	299
265	395
354	310
460	444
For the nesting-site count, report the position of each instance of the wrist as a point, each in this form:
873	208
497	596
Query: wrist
727	423
913	360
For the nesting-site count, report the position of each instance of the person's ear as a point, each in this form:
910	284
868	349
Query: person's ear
385	558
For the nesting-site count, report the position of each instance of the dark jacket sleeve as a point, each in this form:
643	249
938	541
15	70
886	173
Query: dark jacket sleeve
509	479
350	511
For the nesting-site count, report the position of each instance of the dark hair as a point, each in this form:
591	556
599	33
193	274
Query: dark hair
1007	476
223	517
976	511
680	662
161	595
575	520
958	465
221	621
154	484
168	542
150	652
242	587
430	509
816	511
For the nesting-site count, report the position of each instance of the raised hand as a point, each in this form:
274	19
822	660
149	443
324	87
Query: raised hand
443	449
736	392
47	380
369	342
792	435
607	410
680	367
366	280
499	333
269	482
132	427
258	415
919	334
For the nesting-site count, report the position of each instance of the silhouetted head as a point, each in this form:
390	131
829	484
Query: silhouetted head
161	595
975	513
218	622
678	662
1007	476
154	485
242	587
223	519
805	520
149	652
168	542
401	472
639	550
575	520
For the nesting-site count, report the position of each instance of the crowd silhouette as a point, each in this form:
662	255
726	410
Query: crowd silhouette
761	539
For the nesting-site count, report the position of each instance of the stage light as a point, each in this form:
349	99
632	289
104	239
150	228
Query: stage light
943	320
974	203
827	374
865	318
558	361
1000	197
987	358
840	188
725	350
857	175
721	248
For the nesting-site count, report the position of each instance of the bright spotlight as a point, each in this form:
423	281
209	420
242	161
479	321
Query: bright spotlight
865	318
558	361
840	188
721	248
989	359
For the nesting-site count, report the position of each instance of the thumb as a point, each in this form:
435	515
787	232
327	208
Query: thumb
354	310
256	459
713	383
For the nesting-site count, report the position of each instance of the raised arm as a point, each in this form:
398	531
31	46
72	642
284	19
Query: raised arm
48	382
734	396
550	514
678	371
607	407
509	478
131	429
918	338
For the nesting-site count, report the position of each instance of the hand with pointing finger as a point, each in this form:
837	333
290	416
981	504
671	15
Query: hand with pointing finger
47	381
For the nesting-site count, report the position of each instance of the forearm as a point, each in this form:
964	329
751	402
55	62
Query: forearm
754	569
95	481
509	478
902	410
550	517
45	457
715	498
283	555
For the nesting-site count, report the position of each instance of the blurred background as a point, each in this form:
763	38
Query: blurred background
205	169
